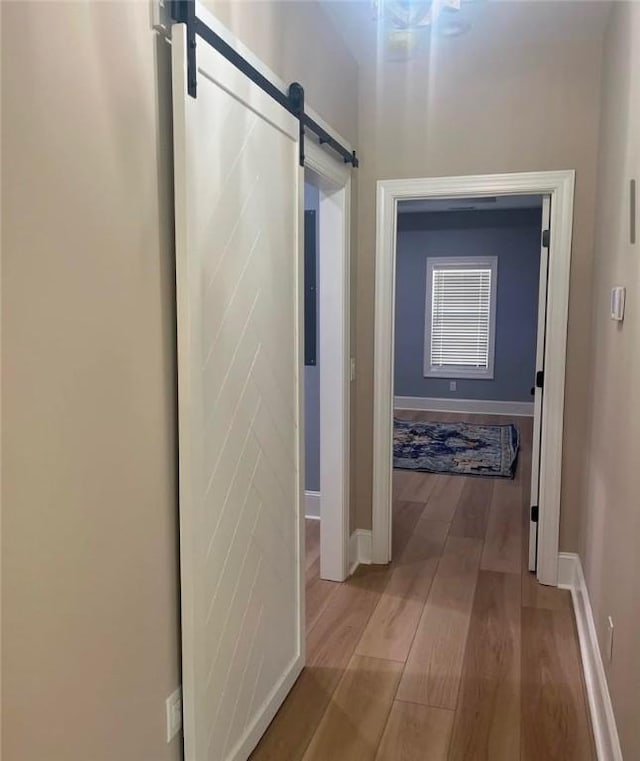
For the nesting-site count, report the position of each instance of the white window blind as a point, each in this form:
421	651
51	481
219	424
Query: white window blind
460	317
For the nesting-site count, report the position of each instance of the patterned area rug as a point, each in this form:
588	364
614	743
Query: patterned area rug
462	448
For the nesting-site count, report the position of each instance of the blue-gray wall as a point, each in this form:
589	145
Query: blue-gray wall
312	381
511	235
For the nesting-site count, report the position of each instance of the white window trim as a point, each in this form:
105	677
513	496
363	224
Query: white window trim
462	262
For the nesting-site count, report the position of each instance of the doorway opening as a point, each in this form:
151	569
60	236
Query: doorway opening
327	364
471	315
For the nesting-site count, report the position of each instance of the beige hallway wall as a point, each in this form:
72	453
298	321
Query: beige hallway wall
611	523
90	624
476	106
89	578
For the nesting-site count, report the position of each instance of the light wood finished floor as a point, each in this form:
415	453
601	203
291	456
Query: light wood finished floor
453	652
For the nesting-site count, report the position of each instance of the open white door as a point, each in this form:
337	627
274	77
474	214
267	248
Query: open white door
539	384
238	225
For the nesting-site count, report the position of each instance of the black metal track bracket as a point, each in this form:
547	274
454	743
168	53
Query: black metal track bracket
296	99
184	12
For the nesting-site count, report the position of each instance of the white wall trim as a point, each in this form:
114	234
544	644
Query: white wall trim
312	505
605	731
465	406
560	186
333	179
359	548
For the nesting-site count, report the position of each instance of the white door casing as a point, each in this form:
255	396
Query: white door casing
560	186
539	391
333	180
238	193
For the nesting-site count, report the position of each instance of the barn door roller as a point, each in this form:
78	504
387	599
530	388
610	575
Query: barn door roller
184	12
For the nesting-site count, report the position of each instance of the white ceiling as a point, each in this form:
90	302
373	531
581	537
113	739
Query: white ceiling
493	22
493	203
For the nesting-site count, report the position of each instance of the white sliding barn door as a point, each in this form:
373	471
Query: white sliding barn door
238	222
539	389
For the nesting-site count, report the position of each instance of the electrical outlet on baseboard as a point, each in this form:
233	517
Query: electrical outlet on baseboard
174	713
609	650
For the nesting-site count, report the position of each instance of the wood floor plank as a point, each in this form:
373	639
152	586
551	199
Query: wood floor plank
363	589
536	595
503	541
331	643
555	724
444	497
412	485
466	644
353	723
399	482
405	517
487	721
416	733
393	624
293	727
470	519
434	666
318	592
333	640
312	542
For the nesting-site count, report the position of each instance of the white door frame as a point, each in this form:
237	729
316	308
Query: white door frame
334	182
560	186
335	288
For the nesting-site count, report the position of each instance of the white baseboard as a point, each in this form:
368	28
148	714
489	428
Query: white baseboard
359	548
605	732
465	406
312	505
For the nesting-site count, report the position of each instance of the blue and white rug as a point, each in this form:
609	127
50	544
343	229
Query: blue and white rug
463	448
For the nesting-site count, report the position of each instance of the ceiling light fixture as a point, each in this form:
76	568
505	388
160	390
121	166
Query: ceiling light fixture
406	25
411	14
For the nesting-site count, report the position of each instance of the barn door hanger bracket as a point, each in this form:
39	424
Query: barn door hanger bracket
296	101
184	12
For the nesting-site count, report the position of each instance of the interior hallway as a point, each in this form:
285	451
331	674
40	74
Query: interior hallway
453	652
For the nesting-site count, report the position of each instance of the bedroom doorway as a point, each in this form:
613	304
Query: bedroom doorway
463	292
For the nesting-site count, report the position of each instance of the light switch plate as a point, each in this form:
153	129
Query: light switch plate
353	368
174	713
453	386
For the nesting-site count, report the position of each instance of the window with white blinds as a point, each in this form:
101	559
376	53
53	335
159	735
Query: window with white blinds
460	317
